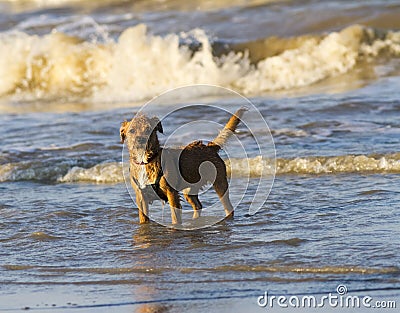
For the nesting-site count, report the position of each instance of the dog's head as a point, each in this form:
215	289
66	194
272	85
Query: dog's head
141	138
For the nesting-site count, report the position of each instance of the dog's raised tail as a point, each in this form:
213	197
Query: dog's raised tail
228	129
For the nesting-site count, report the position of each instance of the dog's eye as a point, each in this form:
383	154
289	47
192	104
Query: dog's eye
132	131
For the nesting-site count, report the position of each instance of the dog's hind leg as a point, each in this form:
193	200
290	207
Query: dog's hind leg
221	188
194	201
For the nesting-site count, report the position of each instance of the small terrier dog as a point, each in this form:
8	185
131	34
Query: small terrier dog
159	173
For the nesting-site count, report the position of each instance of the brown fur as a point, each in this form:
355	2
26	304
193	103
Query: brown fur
160	173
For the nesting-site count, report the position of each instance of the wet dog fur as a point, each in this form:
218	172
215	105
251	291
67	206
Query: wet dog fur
160	173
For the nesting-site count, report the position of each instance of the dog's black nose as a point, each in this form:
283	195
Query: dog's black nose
141	140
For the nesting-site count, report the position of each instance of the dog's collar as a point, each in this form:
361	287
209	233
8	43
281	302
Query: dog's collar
141	163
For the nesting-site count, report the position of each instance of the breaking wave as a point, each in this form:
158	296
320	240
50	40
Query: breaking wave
389	163
111	172
138	65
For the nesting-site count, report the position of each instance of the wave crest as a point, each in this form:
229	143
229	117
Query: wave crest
140	65
315	165
111	172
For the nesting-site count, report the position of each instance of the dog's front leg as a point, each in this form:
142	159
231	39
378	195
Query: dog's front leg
173	200
143	207
142	204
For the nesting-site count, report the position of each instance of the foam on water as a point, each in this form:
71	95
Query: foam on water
111	172
34	67
139	65
101	173
317	58
389	163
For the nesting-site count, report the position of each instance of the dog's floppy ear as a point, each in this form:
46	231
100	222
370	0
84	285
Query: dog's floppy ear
158	124
159	127
122	130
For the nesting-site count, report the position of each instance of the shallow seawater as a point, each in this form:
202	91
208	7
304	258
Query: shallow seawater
72	71
79	244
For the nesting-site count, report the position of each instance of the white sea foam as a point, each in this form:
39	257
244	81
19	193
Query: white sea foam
139	65
100	173
253	167
146	65
389	163
111	172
